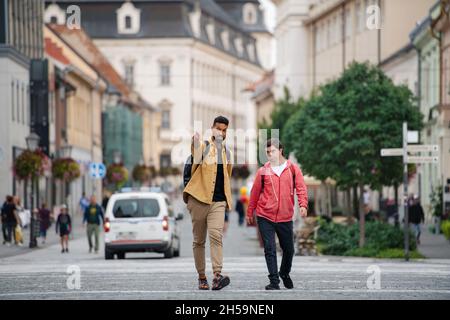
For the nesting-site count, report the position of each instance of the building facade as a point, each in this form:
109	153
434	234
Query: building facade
75	106
21	41
192	60
330	34
432	41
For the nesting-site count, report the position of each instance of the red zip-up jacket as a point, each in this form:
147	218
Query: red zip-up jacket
276	201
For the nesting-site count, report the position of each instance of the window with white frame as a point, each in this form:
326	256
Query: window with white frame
164	71
165	119
128	19
251	51
239	46
250	13
225	37
129	73
210	30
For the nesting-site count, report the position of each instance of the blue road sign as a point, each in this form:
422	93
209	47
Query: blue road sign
97	170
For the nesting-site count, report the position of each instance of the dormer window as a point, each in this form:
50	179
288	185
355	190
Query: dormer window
128	19
225	37
239	46
54	14
128	23
211	32
250	13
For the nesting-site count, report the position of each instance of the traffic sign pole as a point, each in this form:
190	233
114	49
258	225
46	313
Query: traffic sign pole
405	188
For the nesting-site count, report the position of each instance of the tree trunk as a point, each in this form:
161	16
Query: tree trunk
348	201
396	204
355	201
362	217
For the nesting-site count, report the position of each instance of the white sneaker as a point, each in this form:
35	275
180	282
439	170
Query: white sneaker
20	244
8	244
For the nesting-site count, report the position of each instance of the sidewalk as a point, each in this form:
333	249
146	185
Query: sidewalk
434	246
52	238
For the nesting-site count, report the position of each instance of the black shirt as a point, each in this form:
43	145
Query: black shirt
219	188
8	211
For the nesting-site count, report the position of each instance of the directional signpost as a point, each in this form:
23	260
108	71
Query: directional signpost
410	137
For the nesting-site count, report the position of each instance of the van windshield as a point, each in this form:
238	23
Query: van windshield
136	208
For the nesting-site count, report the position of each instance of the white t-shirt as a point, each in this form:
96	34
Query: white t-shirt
279	169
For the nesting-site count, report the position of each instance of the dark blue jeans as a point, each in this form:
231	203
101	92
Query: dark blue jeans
285	233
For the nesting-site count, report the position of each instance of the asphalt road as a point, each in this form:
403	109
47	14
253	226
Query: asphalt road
47	274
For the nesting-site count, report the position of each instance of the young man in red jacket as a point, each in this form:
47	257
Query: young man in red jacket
272	197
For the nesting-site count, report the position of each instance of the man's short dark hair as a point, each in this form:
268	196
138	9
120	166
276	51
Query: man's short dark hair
9	198
276	143
221	119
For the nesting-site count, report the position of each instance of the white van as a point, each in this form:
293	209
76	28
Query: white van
141	222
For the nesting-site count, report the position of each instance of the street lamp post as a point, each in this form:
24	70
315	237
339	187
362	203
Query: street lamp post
65	151
32	144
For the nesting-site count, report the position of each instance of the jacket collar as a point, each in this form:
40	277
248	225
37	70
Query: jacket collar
288	164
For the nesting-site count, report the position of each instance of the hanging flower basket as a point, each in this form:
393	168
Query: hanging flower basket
117	174
66	169
31	165
164	172
141	173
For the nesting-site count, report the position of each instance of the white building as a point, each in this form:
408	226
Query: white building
191	59
20	41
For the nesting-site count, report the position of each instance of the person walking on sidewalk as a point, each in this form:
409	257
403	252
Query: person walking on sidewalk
11	220
64	226
208	194
416	217
3	219
44	218
93	216
272	196
83	203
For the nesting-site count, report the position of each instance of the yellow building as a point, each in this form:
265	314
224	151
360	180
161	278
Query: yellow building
75	106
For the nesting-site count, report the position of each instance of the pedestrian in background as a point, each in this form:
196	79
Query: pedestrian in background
11	220
3	220
105	199
416	217
93	217
20	211
83	203
44	218
242	205
272	197
64	226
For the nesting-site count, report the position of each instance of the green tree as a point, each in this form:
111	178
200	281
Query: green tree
283	110
340	131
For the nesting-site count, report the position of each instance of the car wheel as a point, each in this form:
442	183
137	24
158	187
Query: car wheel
109	255
169	253
121	255
176	253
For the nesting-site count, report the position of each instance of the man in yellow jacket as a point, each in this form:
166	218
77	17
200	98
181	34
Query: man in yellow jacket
208	194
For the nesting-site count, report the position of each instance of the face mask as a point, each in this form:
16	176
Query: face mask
218	138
